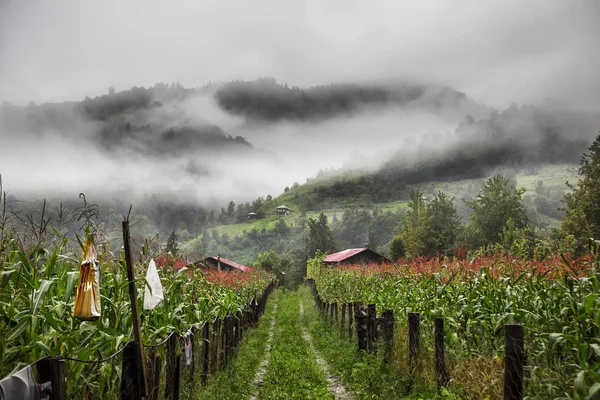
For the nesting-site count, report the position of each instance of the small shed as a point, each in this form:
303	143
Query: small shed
252	216
361	255
283	210
223	264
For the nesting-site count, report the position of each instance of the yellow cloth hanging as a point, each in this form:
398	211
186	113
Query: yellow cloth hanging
87	298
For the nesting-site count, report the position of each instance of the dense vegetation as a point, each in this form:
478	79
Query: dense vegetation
556	300
38	280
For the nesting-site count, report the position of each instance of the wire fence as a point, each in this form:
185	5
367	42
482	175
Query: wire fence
173	369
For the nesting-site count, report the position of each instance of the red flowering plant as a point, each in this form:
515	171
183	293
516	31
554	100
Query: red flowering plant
248	284
168	261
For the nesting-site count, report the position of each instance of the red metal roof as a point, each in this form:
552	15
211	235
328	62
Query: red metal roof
344	254
233	264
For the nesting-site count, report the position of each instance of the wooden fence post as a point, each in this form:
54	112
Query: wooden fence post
372	327
388	333
205	352
440	362
224	342
193	364
414	339
356	306
52	369
130	373
350	314
135	316
154	371
177	377
171	367
238	329
214	355
335	313
514	360
361	329
343	319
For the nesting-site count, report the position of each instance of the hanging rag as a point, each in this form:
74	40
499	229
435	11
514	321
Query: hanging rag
187	348
22	386
154	291
87	298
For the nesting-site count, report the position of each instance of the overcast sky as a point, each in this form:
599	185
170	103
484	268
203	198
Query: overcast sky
495	51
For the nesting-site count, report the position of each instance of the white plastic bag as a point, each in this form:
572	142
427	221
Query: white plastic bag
151	300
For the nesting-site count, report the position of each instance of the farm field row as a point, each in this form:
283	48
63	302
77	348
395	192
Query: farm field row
37	291
556	301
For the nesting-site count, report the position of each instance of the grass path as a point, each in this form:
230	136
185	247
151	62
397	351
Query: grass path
294	353
293	372
237	381
262	369
335	386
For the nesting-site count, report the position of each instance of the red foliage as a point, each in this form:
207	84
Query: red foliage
497	266
232	279
173	263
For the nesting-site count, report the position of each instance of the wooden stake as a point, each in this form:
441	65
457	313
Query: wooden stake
137	332
514	360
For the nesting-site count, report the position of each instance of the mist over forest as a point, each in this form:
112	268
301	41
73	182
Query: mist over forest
243	117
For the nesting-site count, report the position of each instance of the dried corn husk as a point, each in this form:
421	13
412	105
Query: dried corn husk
87	298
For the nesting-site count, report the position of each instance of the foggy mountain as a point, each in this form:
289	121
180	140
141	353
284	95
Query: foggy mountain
265	99
517	137
170	139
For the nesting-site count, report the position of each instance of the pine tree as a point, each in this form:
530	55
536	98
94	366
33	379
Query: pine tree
172	244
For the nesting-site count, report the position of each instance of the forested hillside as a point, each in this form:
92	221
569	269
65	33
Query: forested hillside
536	147
265	99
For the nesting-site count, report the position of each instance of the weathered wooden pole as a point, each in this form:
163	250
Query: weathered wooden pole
137	331
388	333
156	368
440	362
350	313
171	370
356	307
52	369
335	312
361	329
193	344
130	373
205	352
514	361
414	340
372	327
343	319
214	355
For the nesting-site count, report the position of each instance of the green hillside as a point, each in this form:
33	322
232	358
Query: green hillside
355	219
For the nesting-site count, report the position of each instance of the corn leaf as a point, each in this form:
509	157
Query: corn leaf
40	294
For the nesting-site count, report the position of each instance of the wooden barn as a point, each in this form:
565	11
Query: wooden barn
222	264
361	255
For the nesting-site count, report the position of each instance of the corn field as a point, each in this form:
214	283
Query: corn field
37	288
556	300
